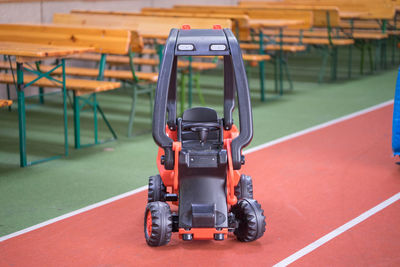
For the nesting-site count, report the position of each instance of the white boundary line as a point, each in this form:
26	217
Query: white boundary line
338	231
140	189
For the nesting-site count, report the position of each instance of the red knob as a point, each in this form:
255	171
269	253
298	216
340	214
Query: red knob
217	27
185	27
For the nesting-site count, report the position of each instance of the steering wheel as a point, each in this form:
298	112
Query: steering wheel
201	126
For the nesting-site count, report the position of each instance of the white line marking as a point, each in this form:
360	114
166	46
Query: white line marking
73	213
337	231
140	189
317	127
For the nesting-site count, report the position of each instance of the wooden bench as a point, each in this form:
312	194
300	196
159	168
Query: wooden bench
103	40
239	22
89	72
147	26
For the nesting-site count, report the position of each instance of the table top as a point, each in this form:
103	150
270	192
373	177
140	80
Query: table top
39	51
274	23
351	14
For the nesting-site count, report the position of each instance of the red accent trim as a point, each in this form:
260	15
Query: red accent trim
203	233
176	146
230	183
185	27
233	176
217	27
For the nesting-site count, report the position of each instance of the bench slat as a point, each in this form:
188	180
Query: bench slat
81	86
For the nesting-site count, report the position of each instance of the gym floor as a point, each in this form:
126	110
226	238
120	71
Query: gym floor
312	184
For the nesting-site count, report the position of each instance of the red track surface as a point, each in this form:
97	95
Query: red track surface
308	186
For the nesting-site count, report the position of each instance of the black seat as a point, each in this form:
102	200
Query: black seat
200	114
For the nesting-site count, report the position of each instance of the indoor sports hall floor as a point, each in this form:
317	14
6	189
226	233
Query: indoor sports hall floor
330	193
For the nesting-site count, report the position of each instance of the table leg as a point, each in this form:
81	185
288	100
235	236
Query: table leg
77	123
64	92
21	115
280	60
261	66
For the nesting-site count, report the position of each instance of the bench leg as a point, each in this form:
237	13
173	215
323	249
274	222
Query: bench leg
8	96
393	39
21	115
371	59
288	76
183	93
334	63
95	120
325	55
198	89
77	122
151	97
350	61
384	53
41	96
276	74
64	93
261	65
362	50
132	113
107	123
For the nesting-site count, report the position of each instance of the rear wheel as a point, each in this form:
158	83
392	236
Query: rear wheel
251	220
244	188
156	190
157	224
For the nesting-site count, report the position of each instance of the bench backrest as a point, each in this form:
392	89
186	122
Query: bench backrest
256	13
240	22
323	15
146	26
372	9
110	41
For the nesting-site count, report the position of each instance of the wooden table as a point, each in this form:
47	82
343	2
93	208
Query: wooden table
30	52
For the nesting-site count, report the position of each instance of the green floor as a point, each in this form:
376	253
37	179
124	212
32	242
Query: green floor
31	195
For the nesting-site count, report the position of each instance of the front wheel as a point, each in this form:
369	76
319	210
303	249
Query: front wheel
156	190
250	218
157	224
244	188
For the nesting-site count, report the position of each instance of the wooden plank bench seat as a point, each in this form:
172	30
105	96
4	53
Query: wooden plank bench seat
124	60
309	41
80	86
273	47
89	72
5	103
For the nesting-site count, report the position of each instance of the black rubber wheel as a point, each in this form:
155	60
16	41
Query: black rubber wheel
157	224
156	190
244	188
251	219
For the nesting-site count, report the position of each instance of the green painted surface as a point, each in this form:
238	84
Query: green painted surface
31	195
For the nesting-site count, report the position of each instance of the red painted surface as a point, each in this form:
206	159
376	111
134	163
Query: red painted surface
308	186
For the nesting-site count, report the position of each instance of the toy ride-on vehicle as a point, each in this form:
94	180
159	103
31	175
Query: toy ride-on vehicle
200	154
